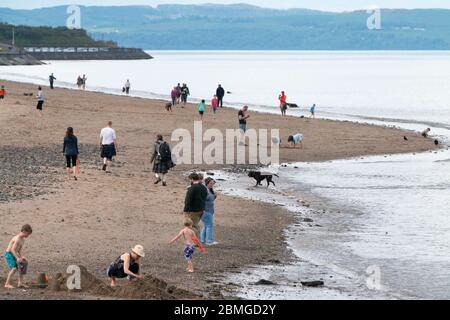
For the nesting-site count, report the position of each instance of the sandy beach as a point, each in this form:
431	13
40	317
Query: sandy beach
90	221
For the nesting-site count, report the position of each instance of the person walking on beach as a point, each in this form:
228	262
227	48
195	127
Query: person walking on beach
108	145
194	203
201	108
126	265
40	101
190	242
296	139
283	103
313	111
127	86
84	81
2	92
178	93
242	117
51	79
184	94
173	95
207	232
214	104
161	159
15	259
70	150
220	93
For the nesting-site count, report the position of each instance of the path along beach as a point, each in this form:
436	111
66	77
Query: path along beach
89	221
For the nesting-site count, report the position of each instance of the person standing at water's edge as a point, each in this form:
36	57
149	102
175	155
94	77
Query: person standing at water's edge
313	111
194	203
40	101
84	79
184	94
127	86
220	93
283	103
70	150
108	145
207	233
51	79
79	82
161	159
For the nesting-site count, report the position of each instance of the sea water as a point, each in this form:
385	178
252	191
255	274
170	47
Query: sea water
386	213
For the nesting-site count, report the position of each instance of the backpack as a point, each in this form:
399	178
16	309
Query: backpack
164	152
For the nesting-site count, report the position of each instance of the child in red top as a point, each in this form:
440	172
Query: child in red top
214	104
2	93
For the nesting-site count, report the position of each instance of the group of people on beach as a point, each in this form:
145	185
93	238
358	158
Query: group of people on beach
81	82
179	95
284	106
199	206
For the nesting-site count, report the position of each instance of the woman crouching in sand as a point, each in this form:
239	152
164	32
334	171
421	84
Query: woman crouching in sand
70	150
127	265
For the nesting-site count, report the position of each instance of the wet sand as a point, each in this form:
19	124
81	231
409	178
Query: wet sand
90	221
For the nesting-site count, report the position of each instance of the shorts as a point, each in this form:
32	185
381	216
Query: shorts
71	161
243	127
39	105
189	252
201	112
11	261
2	97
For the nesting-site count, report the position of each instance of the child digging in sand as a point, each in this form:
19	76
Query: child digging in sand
190	241
14	258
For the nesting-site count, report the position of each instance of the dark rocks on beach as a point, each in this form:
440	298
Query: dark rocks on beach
27	172
312	283
264	282
308	220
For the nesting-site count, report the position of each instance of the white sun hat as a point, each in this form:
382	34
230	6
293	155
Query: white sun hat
139	250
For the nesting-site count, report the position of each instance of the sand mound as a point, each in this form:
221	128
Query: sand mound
148	288
152	288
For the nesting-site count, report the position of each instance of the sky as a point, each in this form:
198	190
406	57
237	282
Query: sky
326	5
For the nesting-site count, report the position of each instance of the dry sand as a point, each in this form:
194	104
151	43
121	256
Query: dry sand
91	221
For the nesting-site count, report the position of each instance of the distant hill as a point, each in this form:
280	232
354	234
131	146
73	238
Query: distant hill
49	37
245	27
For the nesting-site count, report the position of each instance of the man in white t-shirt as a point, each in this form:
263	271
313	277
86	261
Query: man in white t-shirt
108	144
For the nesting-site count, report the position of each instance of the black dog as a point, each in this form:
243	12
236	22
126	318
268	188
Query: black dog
259	177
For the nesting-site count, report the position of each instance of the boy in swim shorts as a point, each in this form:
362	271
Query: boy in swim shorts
14	258
190	241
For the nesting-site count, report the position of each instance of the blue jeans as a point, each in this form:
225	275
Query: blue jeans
207	232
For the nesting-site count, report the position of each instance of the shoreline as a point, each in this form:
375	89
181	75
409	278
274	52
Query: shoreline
93	107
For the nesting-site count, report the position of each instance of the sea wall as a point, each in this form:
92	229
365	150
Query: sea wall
16	59
88	53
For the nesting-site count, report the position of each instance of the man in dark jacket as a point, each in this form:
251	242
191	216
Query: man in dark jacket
220	93
194	204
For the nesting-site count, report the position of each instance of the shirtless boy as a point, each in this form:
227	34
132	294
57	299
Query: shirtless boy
14	257
190	241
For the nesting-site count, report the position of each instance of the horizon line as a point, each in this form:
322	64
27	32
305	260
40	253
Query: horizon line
225	5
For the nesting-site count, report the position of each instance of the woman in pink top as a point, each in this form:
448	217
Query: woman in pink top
214	104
